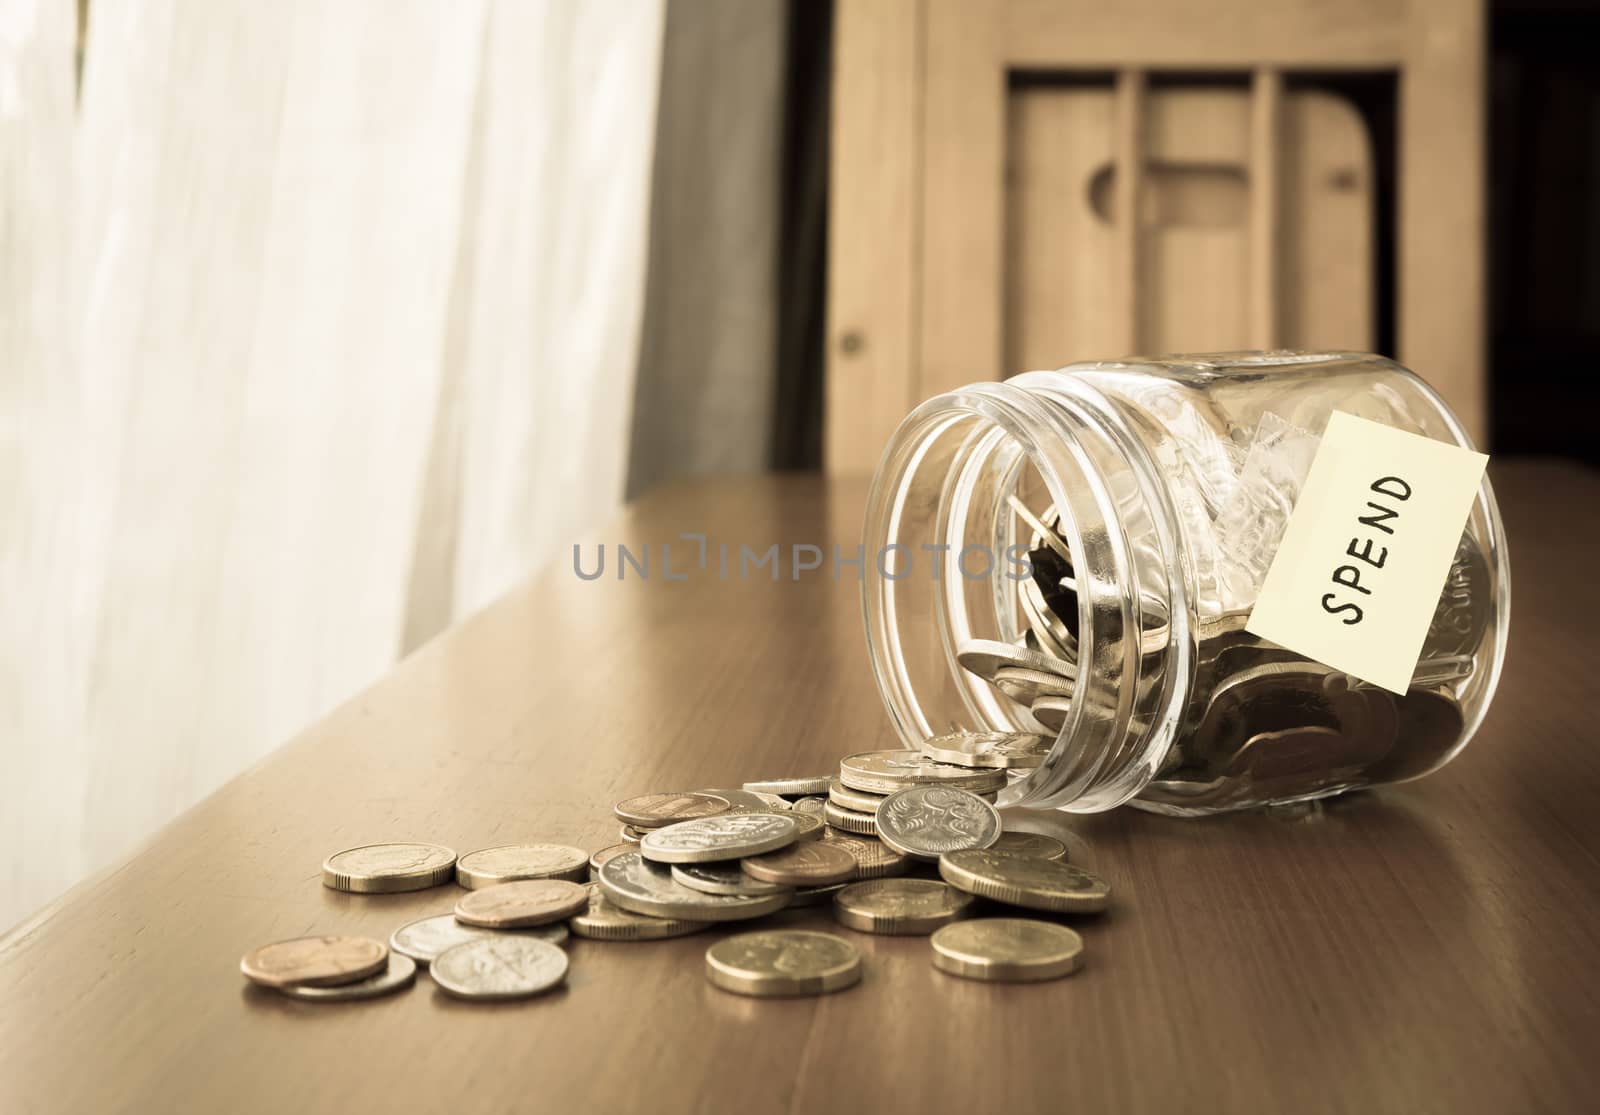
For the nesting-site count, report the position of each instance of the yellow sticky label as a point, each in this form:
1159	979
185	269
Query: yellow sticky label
1367	549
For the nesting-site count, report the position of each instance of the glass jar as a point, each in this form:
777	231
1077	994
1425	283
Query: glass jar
1116	519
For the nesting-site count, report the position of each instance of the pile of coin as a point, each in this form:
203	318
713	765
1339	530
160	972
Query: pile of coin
1265	723
920	849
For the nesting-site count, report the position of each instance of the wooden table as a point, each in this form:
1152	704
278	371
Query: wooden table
1431	947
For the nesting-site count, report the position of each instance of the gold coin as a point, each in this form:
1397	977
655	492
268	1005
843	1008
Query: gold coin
511	862
859	800
1027	881
815	896
652	811
783	962
849	820
389	868
631	834
314	961
790	787
807	826
874	859
604	921
813	864
517	905
1015	950
598	860
399	974
884	772
1030	844
899	907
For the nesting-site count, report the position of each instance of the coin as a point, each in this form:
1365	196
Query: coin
815	896
783	962
389	868
874	859
731	836
634	883
859	800
604	920
314	961
512	862
813	864
650	811
1014	950
925	822
884	772
631	835
1006	750
850	820
600	857
1030	844
902	907
812	806
1037	884
790	787
1051	711
745	800
1027	686
525	903
399	974
985	657
426	938
722	878
807	826
505	966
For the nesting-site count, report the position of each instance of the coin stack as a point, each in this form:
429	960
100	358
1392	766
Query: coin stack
689	861
1265	723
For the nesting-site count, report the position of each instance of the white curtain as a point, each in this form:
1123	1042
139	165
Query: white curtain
318	325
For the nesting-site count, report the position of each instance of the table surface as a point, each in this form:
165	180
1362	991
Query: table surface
1428	947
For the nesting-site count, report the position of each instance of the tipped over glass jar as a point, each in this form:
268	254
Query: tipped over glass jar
1075	555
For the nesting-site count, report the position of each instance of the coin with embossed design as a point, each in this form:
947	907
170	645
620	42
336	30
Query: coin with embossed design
650	811
925	822
525	903
900	907
389	868
1027	881
722	877
505	966
874	859
426	938
1030	844
986	657
399	974
884	772
598	860
511	862
636	884
1012	950
849	820
1006	750
730	836
314	961
604	920
783	962
813	864
790	787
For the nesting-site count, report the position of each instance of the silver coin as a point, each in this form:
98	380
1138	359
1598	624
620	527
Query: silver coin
424	939
515	862
884	772
859	800
783	962
1030	844
726	877
985	657
1001	750
505	966
400	974
849	820
606	921
810	806
1027	686
925	822
728	836
636	884
899	907
790	787
744	799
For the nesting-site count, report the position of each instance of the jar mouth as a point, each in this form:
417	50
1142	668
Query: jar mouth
950	474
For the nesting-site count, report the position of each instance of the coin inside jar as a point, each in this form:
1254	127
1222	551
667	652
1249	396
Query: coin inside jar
389	868
1015	950
812	864
649	811
783	962
314	961
1007	750
884	772
512	862
526	903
